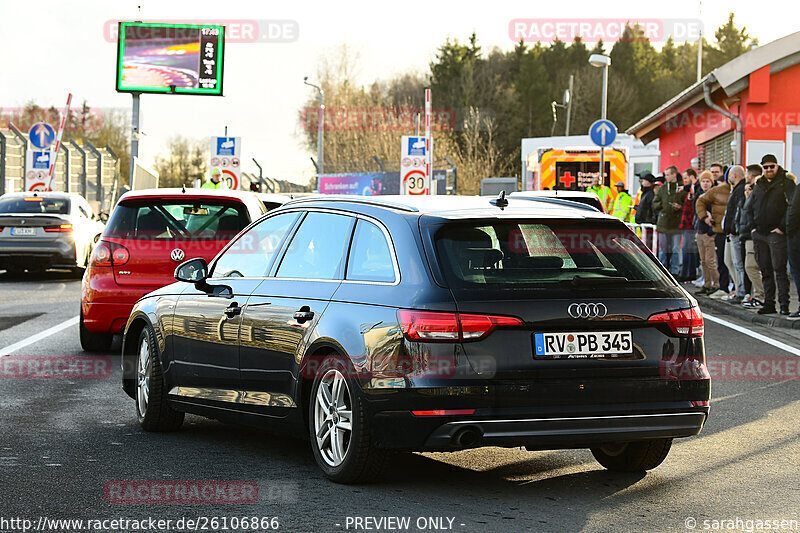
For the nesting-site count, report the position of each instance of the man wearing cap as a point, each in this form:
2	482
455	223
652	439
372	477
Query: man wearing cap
669	204
644	207
622	204
769	200
215	182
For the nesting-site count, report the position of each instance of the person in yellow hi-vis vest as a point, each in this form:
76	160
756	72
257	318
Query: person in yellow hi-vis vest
623	203
215	182
602	192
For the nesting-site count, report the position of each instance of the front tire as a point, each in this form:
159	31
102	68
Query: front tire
152	409
638	456
92	341
339	427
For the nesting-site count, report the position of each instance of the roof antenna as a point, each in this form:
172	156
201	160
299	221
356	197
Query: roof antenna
183	189
501	201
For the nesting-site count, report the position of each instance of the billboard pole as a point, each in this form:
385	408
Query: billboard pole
134	133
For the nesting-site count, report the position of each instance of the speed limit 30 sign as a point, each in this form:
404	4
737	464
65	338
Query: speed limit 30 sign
413	165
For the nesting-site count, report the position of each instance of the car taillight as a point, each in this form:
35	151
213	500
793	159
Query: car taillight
59	229
684	322
109	254
431	326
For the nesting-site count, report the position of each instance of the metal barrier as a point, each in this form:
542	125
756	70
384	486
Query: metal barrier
642	230
79	168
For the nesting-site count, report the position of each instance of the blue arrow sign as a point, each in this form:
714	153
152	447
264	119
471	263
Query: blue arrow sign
603	132
42	135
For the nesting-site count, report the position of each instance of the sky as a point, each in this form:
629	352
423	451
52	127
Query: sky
66	47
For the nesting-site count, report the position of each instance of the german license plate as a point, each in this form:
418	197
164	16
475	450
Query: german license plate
23	231
582	345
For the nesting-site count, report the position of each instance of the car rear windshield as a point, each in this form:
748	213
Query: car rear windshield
177	220
34	204
545	254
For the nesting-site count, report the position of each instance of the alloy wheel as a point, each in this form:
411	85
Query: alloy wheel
333	425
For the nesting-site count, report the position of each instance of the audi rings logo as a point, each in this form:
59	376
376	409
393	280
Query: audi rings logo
587	310
177	254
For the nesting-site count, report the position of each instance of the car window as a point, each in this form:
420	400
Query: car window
34	204
542	254
317	249
182	220
370	257
252	253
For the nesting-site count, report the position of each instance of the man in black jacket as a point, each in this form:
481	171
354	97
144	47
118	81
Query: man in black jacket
644	211
770	199
730	226
793	241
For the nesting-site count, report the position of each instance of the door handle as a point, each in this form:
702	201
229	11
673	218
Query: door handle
303	314
233	310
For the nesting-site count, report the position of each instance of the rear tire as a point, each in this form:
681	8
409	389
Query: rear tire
92	341
344	450
638	456
152	409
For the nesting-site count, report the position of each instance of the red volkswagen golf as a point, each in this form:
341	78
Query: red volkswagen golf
149	233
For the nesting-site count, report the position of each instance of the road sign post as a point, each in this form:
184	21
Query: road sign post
602	132
226	156
414	176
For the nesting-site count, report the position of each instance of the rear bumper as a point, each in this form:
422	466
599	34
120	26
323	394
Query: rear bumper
40	254
105	305
403	430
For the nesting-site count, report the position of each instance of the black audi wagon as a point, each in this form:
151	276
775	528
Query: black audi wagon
420	324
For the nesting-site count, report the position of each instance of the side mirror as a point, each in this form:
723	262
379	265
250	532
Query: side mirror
192	271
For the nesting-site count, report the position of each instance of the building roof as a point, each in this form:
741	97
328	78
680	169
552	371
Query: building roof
732	77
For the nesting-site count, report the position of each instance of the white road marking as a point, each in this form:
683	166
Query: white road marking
39	336
778	344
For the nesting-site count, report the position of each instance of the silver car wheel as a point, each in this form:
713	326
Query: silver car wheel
333	425
143	371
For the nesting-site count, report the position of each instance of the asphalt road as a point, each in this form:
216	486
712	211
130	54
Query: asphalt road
62	441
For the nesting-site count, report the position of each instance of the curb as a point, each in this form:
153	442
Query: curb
741	313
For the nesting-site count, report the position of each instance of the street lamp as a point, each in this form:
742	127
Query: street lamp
602	61
320	125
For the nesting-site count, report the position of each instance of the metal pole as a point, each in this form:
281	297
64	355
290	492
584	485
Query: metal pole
260	176
603	116
67	174
700	56
380	163
99	156
569	104
455	175
84	170
320	129
2	163
115	184
134	134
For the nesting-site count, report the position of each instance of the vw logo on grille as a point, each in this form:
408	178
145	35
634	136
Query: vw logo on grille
587	310
177	254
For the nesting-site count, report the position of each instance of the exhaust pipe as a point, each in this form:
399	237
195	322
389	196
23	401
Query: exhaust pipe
467	437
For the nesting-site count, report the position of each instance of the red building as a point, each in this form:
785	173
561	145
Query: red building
744	109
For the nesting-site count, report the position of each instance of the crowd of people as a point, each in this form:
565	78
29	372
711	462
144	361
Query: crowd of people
732	231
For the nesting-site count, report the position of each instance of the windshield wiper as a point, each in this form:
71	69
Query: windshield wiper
591	281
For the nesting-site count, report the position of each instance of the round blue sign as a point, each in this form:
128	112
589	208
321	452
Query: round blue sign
42	135
603	132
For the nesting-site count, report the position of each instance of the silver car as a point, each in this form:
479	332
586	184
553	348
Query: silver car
40	230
